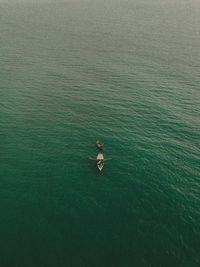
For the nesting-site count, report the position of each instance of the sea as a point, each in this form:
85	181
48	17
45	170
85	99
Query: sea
123	72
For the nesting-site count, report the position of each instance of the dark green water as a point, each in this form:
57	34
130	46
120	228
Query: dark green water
123	72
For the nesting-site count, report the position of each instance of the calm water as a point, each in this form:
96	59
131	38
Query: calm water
123	72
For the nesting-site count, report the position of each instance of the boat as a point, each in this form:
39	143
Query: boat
99	145
100	161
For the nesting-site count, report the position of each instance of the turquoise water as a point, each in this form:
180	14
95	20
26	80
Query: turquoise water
122	72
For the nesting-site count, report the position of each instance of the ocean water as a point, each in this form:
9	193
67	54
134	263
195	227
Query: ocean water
127	73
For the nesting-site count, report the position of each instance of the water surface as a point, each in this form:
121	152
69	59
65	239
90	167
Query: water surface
122	72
